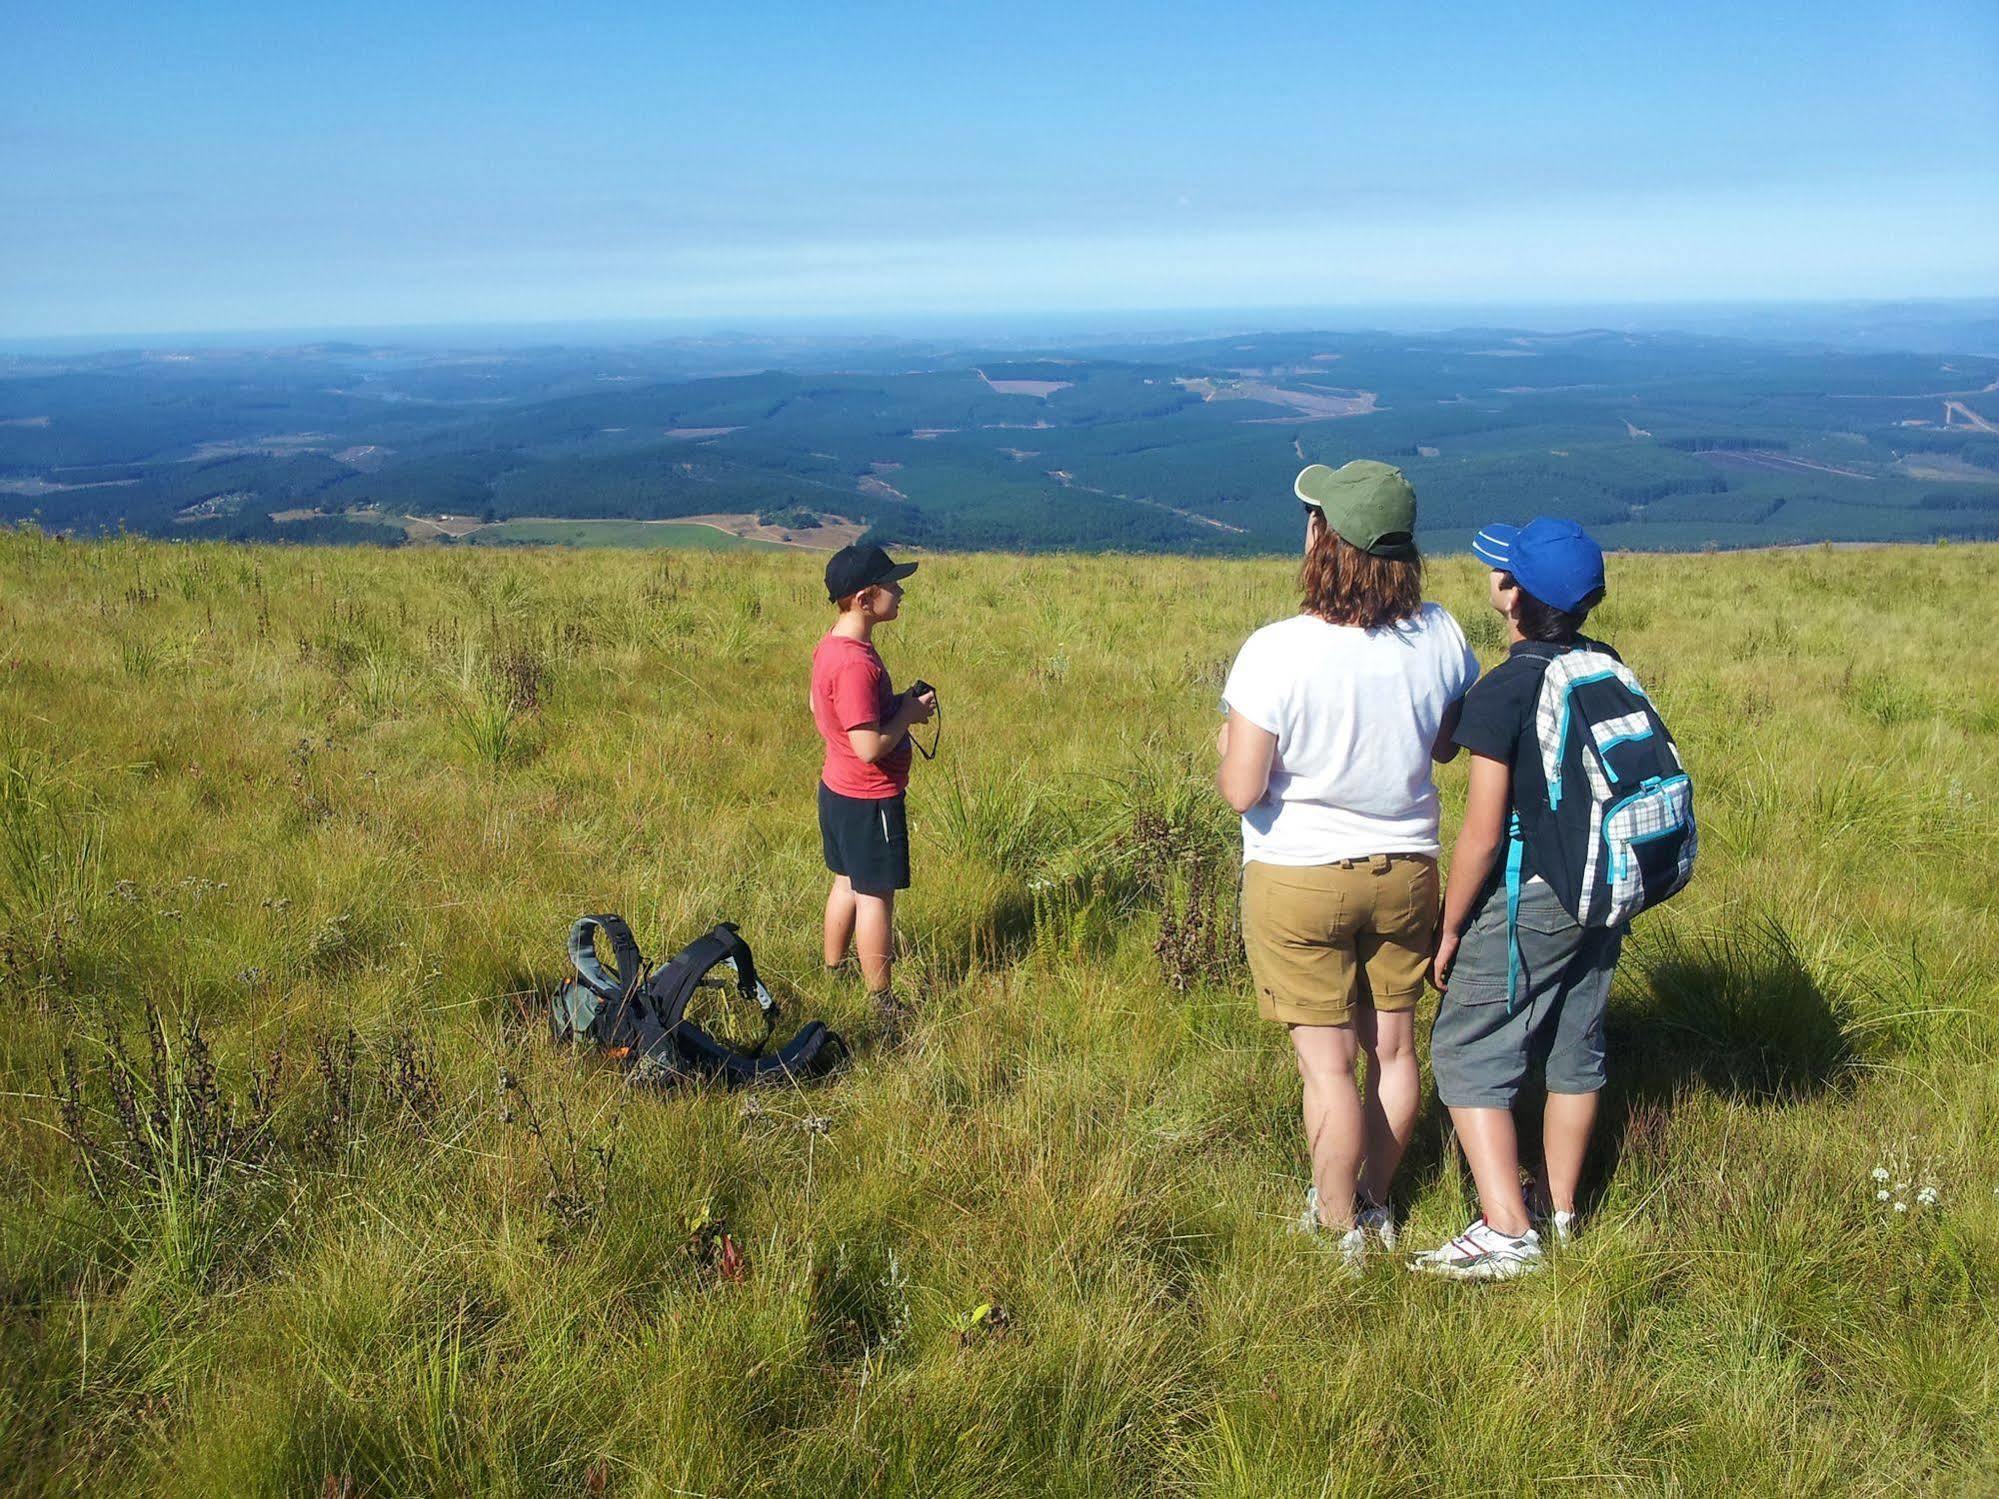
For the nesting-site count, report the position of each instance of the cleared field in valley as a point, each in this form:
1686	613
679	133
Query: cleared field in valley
614	533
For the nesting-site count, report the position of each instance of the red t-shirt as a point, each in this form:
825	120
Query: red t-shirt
850	690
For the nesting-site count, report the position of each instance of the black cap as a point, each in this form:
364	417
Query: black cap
856	567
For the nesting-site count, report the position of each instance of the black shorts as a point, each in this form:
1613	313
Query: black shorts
866	840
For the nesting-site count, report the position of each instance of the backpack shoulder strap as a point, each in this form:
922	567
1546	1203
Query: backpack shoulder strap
674	984
626	963
737	955
672	987
1515	858
1567	671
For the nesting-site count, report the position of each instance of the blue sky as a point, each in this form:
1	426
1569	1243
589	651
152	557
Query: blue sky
281	166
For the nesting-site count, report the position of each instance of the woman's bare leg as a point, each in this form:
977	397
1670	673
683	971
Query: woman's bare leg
1334	1128
1394	1089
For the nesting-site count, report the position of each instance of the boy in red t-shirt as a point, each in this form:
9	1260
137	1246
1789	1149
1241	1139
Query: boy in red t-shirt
863	823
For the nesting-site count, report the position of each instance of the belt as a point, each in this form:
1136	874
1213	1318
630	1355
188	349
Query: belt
1378	862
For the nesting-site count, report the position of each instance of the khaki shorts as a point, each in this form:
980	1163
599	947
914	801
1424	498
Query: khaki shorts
1325	939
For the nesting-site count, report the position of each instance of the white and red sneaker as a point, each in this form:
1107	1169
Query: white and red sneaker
1482	1252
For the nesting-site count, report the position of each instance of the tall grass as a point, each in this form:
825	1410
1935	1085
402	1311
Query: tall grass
296	1198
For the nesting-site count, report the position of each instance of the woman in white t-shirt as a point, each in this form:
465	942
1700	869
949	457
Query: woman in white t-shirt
1334	719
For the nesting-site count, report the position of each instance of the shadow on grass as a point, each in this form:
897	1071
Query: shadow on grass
1737	1015
1000	936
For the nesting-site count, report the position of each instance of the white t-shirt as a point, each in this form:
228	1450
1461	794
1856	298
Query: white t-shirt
1355	713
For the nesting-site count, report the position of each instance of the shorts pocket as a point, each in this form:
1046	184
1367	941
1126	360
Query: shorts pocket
1479	972
1490	915
1406	910
1541	912
1283	913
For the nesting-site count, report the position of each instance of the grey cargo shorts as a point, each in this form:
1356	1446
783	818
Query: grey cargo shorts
1481	1054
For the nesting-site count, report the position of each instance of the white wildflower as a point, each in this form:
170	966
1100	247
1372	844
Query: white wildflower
1928	1197
1882	1195
1901	1207
1881	1173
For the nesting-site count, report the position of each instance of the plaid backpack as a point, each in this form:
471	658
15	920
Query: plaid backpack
1617	833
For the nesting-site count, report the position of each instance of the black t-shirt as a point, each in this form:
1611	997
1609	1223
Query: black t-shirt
1498	720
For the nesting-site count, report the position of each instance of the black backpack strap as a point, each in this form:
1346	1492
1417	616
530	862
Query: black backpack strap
748	985
673	985
682	1045
600	1002
815	1050
628	967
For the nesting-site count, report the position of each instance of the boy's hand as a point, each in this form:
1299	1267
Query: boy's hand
1447	954
921	708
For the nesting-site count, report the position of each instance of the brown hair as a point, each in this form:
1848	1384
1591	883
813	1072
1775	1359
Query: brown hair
1540	620
1346	586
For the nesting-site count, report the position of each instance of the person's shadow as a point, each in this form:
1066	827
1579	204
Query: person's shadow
1737	1015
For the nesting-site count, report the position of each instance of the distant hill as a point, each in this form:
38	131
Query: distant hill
1657	440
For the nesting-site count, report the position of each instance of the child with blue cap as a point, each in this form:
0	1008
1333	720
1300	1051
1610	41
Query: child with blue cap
1546	577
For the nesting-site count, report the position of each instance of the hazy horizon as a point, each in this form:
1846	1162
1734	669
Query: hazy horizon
244	168
1804	320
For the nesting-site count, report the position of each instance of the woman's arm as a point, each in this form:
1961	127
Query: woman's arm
1247	752
1473	856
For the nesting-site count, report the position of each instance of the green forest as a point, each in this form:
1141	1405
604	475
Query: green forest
1658	441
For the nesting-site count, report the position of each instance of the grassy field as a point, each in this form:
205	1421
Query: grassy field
347	1223
614	533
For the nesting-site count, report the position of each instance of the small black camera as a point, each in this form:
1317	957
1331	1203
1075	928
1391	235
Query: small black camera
916	690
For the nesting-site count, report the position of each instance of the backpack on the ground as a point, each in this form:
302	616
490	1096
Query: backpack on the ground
639	1016
1615	834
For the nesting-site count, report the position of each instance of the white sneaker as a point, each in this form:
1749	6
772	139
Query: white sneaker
1558	1225
1551	1223
1307	1222
1353	1241
1380	1222
1482	1252
1353	1247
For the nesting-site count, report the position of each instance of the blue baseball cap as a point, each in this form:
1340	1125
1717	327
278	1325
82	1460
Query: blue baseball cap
1555	560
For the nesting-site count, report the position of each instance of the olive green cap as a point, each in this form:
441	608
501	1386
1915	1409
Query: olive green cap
1369	504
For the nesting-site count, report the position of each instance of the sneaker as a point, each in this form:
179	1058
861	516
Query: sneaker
1353	1247
1307	1222
1378	1221
892	1016
1557	1226
1353	1241
1551	1222
1482	1252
